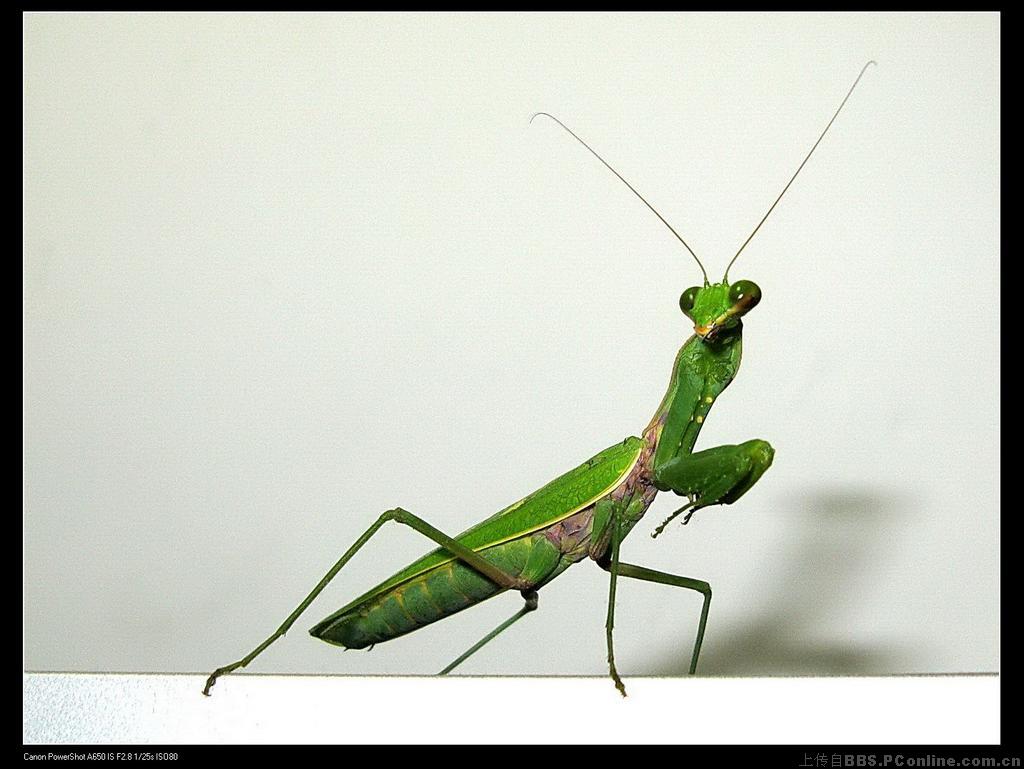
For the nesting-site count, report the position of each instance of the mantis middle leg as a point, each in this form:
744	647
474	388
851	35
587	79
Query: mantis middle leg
702	587
616	568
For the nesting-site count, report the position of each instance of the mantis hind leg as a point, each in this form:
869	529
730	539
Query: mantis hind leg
531	605
716	476
460	551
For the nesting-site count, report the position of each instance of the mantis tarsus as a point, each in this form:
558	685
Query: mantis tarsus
588	511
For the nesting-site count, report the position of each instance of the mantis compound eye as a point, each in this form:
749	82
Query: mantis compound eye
744	294
687	300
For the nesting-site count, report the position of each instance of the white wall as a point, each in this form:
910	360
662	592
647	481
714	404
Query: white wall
284	272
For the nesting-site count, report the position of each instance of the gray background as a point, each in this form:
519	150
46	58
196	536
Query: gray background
282	272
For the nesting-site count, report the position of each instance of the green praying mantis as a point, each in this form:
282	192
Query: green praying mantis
588	511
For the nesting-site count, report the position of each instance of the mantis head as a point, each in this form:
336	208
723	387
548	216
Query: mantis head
717	307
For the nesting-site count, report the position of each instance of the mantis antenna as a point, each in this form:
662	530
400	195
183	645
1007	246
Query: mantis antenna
631	187
830	122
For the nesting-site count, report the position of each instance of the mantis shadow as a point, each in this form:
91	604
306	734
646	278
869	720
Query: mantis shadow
836	535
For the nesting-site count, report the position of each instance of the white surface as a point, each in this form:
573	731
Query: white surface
284	272
273	709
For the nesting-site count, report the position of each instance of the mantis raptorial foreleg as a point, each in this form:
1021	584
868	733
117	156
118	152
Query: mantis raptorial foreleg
717	476
460	551
531	604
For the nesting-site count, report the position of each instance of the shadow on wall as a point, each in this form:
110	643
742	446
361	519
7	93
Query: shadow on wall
835	535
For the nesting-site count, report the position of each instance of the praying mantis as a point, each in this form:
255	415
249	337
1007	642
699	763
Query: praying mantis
588	511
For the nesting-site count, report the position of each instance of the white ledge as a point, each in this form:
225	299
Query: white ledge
166	708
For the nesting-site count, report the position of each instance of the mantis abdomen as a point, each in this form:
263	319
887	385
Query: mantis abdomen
440	592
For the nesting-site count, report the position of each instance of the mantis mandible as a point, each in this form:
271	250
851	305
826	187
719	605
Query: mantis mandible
588	511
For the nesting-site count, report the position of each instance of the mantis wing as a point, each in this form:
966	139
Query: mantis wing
566	495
